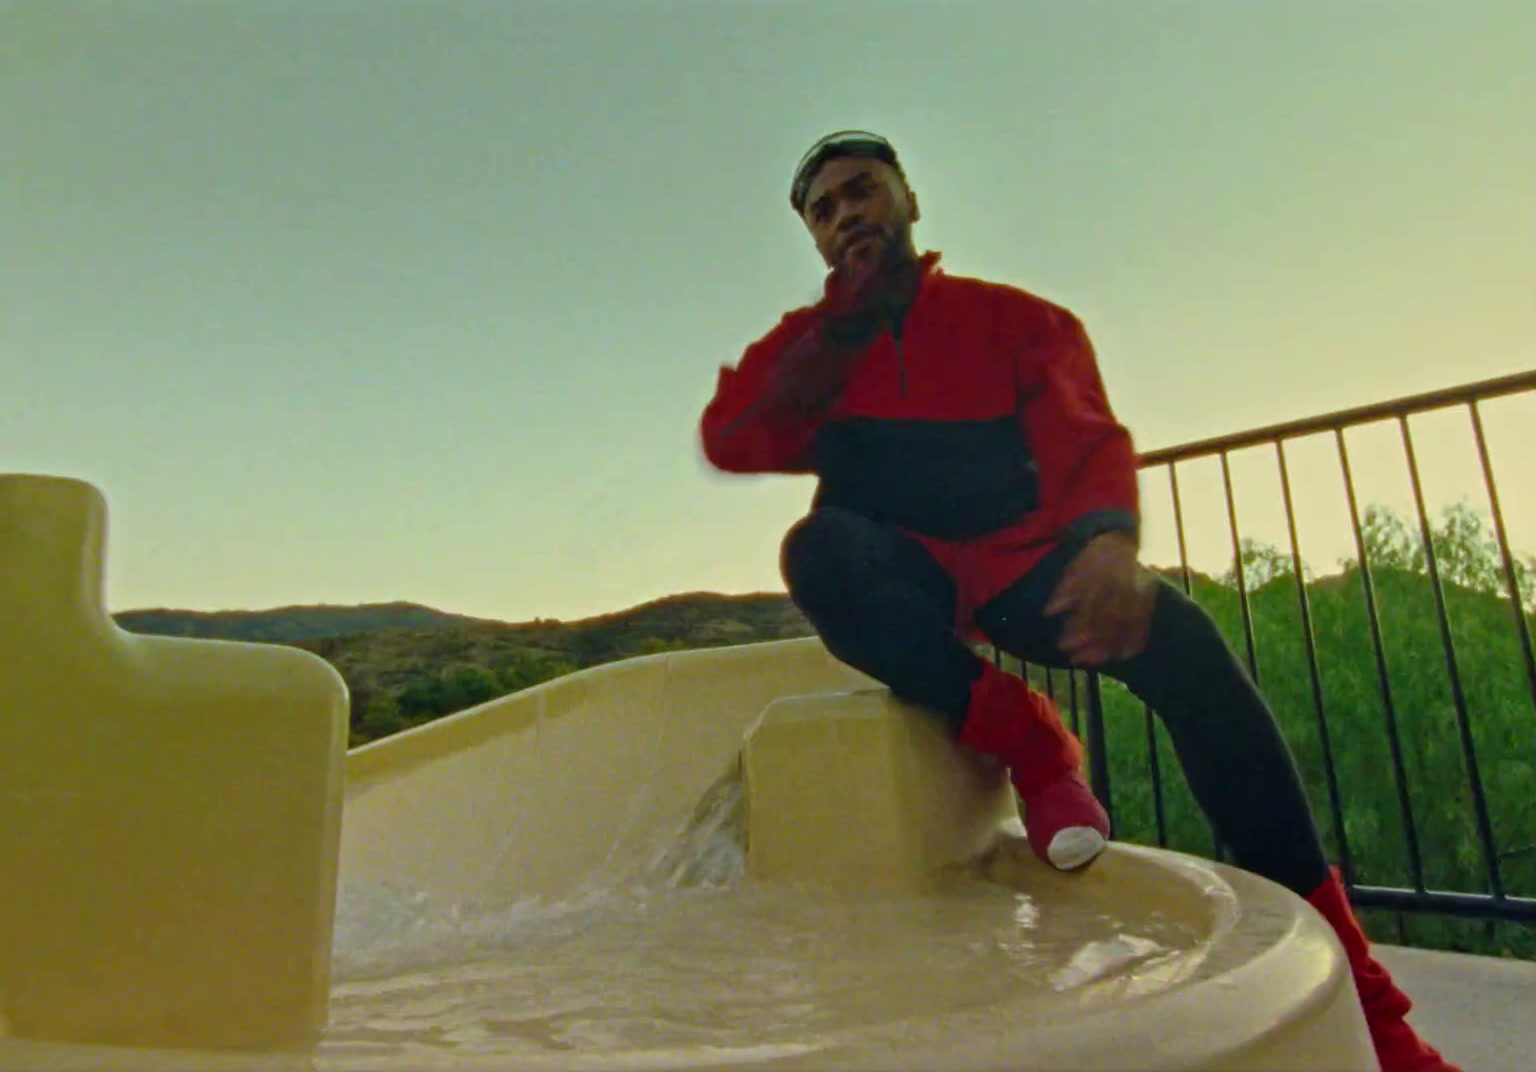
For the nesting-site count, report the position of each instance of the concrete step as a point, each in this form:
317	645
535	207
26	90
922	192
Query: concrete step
1478	1011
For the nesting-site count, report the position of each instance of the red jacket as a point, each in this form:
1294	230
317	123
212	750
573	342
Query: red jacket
985	418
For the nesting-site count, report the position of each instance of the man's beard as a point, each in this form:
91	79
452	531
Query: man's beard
897	244
893	244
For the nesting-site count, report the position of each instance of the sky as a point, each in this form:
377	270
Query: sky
347	302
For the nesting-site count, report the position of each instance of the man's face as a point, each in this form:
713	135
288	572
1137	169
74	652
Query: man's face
859	207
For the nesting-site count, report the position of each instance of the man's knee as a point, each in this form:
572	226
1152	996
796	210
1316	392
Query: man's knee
819	549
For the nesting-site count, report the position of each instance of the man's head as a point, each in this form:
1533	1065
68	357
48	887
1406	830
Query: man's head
853	197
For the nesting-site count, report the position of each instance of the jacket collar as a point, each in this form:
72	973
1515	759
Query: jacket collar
927	266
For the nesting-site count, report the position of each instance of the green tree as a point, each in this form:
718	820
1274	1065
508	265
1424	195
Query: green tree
433	694
1261	563
379	718
524	669
657	645
1466	551
1389	542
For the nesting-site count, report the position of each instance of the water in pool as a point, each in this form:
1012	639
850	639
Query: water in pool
690	956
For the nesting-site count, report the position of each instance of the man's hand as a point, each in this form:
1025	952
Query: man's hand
869	288
809	376
1107	598
864	296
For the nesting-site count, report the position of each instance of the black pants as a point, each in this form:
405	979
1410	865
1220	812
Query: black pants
884	606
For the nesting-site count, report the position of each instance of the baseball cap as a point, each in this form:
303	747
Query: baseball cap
839	143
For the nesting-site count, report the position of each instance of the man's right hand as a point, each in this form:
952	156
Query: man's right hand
865	295
868	290
1106	598
809	375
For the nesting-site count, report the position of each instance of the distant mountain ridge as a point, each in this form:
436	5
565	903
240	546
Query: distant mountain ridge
405	664
672	616
289	624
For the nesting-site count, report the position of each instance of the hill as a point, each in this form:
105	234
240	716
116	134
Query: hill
696	619
286	625
406	664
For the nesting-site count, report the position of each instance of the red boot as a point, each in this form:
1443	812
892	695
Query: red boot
1007	719
1397	1047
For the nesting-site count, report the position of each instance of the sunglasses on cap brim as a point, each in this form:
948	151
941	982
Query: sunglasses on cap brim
842	143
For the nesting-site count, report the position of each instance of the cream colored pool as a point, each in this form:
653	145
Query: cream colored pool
735	970
747	857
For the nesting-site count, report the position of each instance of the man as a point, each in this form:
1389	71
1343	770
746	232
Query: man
973	480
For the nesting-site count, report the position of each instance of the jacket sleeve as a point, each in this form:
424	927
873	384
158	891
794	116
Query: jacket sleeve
739	433
1086	458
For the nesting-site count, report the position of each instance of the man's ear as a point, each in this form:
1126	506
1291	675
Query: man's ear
916	213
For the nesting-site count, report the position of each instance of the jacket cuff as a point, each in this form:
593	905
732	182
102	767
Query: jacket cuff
1097	522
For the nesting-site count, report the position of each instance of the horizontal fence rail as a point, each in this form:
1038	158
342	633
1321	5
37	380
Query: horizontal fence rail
1480	857
1466	395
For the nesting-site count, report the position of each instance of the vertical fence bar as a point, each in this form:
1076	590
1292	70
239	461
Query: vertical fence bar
1178	524
1072	692
1511	583
1329	773
1154	762
1237	568
1458	696
1383	679
1157	779
1098	747
1242	588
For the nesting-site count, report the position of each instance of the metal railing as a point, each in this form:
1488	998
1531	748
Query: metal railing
1493	902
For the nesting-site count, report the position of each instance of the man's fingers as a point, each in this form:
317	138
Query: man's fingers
1127	626
1059	603
1074	632
1105	622
856	280
1097	631
1067	594
1085	651
1082	633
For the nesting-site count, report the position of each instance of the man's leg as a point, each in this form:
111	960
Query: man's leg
1236	762
1238	766
882	604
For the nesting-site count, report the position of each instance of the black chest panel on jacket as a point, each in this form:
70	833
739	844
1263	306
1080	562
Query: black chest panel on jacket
944	478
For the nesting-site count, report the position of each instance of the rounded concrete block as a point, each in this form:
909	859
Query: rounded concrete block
170	809
860	791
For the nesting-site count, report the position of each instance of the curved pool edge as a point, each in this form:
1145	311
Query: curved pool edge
1267	990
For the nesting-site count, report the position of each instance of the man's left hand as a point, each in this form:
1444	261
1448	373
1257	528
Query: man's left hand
1107	598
